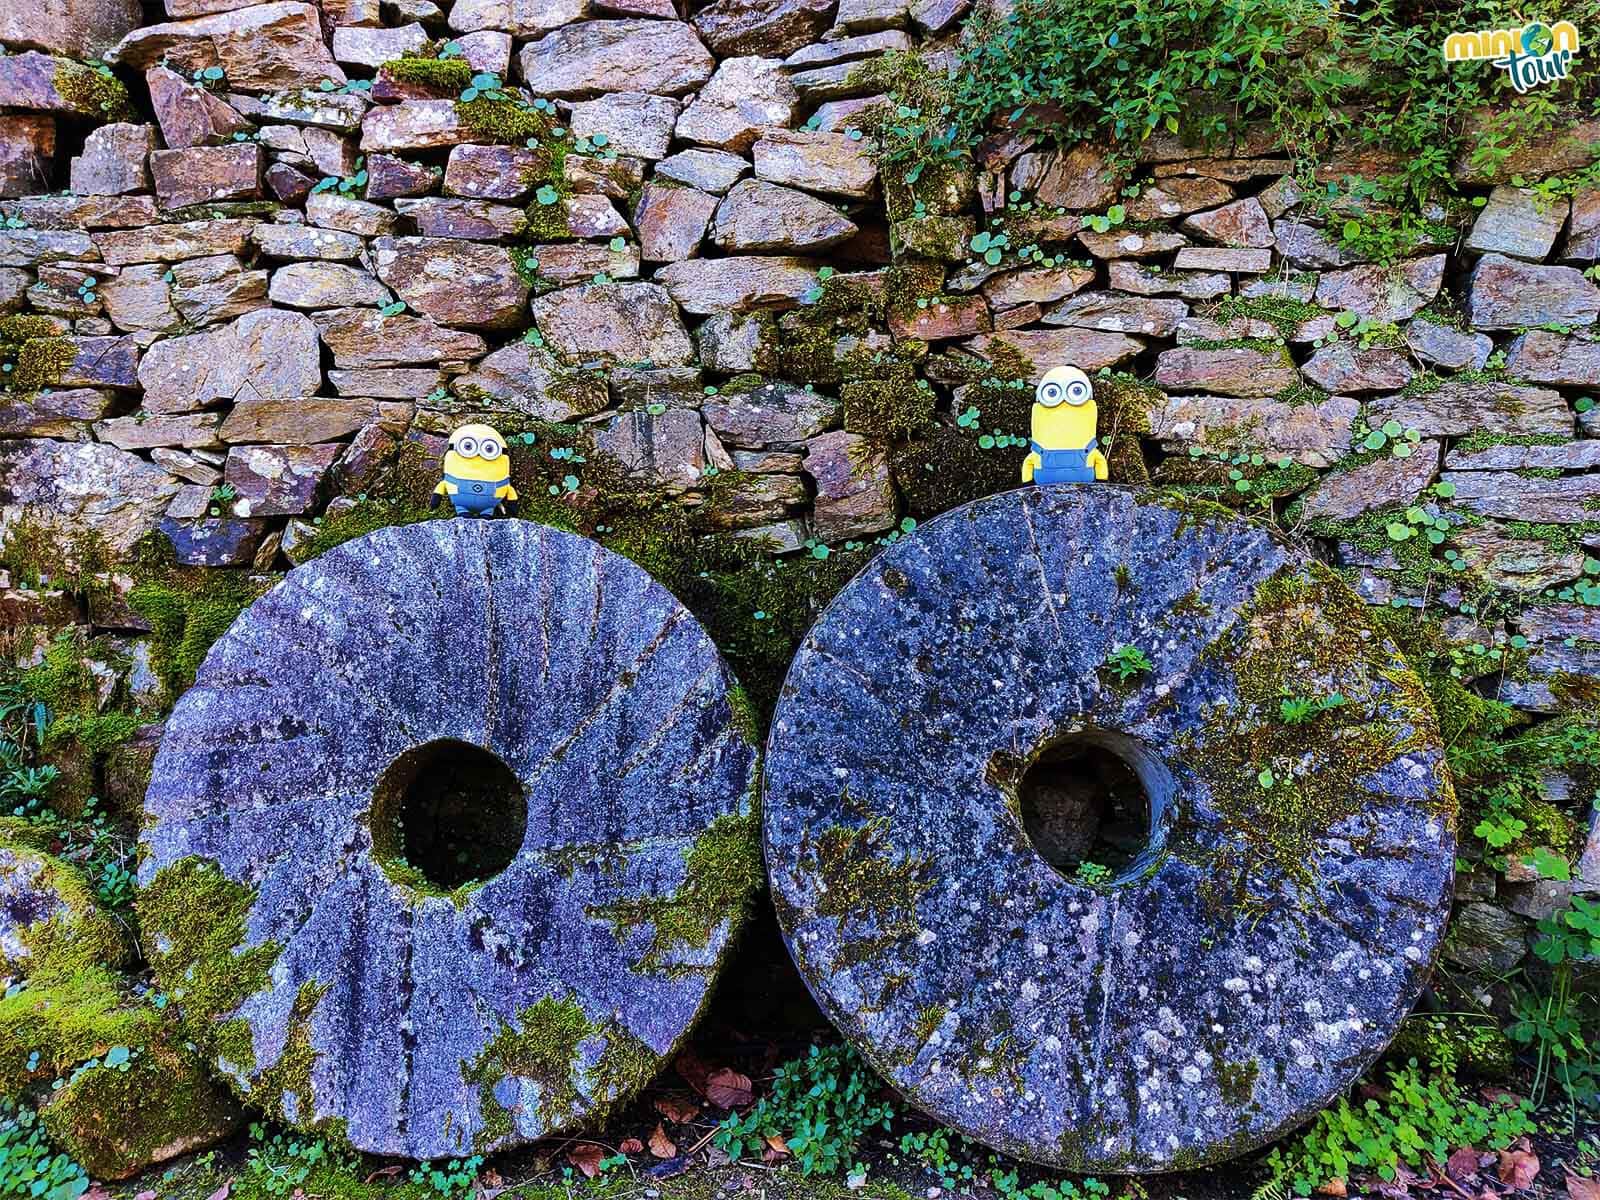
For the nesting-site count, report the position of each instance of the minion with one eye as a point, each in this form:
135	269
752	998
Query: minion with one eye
1064	448
477	474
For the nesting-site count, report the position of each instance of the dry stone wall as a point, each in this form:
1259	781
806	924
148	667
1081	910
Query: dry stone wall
257	258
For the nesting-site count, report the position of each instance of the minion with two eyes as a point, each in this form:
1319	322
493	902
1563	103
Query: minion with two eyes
1064	448
477	474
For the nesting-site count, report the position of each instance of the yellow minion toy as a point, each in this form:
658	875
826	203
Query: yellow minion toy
1064	448
477	474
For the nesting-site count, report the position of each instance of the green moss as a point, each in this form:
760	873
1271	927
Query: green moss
66	1020
503	121
872	895
92	90
285	1088
24	327
1236	1081
544	1048
80	937
193	918
946	467
624	1066
1282	313
42	362
1302	624
451	76
546	222
891	410
187	611
117	1121
722	873
365	517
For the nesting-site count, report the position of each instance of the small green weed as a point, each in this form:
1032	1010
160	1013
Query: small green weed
820	1105
1416	1116
28	1165
1127	662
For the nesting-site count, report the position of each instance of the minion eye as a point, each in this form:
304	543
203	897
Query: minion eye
1077	392
1050	395
490	450
467	447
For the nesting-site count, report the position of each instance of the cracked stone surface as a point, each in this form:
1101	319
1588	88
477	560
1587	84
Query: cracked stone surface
430	1024
1262	947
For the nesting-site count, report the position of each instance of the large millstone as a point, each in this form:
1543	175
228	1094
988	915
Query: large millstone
449	837
950	742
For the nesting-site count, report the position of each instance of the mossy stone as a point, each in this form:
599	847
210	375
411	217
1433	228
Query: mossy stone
296	907
1286	885
118	1120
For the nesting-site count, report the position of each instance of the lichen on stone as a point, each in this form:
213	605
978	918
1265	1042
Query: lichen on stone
722	873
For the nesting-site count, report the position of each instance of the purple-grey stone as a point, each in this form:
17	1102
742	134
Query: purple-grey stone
1265	942
436	1021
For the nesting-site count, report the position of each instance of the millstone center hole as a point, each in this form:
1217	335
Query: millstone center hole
1085	808
447	813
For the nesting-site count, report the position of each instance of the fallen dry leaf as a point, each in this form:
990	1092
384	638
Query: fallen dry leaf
145	1196
1519	1168
491	1178
692	1069
1462	1164
586	1157
776	1143
1579	1188
385	1173
661	1145
678	1109
632	1146
729	1089
1334	1187
222	1192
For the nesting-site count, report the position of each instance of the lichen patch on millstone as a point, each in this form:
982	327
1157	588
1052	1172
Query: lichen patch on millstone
1267	923
308	886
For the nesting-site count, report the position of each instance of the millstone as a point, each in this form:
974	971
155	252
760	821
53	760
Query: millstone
1264	899
447	841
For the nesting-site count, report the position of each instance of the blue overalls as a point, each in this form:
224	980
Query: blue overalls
476	496
1063	466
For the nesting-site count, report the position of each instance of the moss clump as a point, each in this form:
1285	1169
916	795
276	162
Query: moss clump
451	76
193	917
545	1048
505	121
366	517
722	873
625	1065
947	467
42	362
118	1120
65	1020
1282	313
285	1088
1301	626
862	887
93	90
1236	1082
187	612
76	937
891	410
546	222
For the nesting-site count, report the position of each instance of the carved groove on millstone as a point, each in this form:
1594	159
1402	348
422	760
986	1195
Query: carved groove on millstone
348	989
1244	965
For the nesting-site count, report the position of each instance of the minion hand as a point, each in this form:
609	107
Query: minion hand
433	501
511	508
